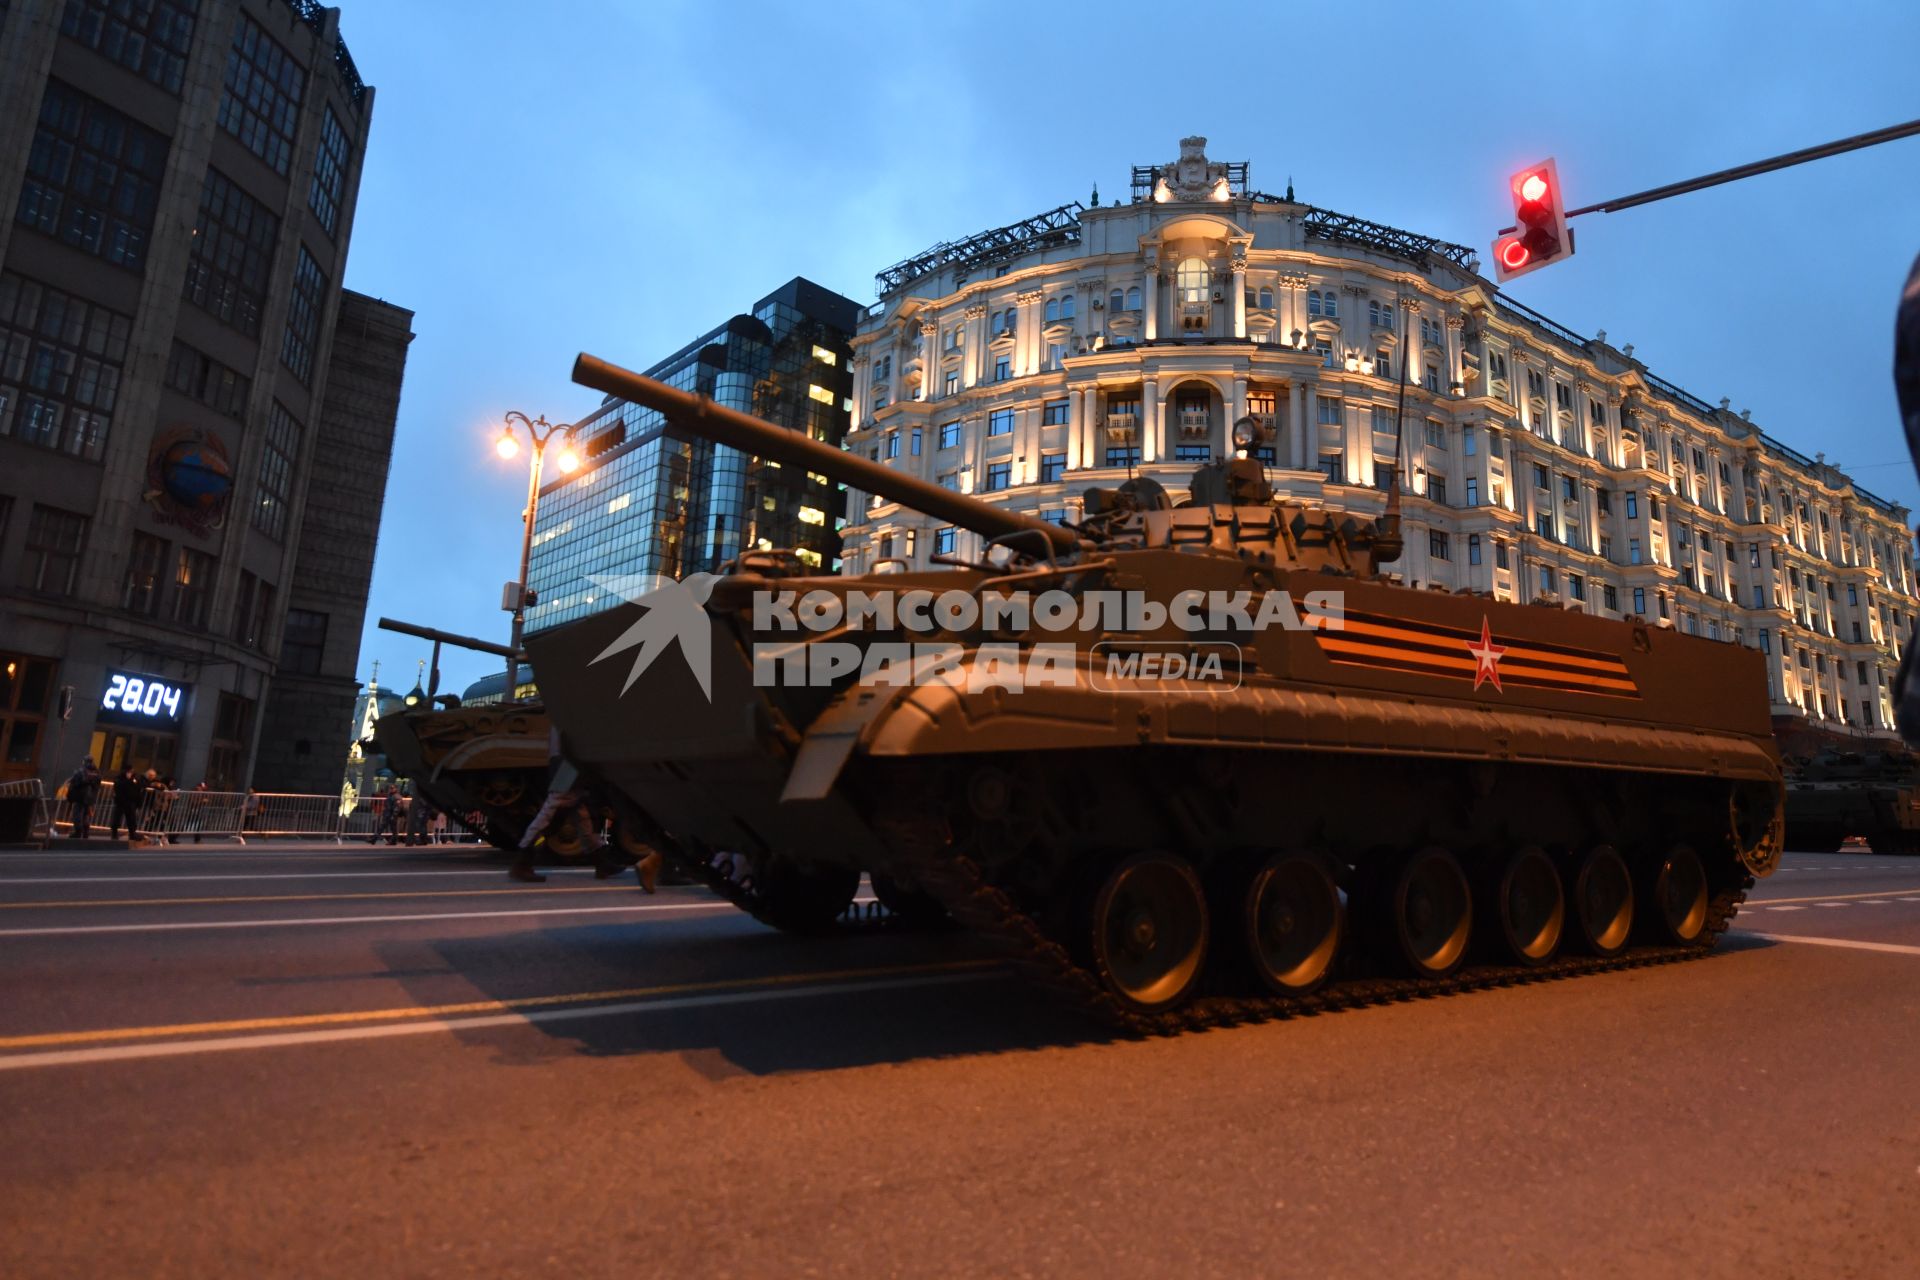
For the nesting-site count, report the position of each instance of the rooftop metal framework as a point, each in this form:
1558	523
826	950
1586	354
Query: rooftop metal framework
1341	228
1145	175
1041	231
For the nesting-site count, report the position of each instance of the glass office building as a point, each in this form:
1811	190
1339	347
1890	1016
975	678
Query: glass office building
648	500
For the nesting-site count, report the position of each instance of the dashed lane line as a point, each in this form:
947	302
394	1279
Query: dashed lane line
479	1015
282	922
1833	897
1850	944
504	890
497	873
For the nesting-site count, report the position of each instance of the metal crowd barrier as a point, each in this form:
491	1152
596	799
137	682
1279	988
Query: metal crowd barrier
196	816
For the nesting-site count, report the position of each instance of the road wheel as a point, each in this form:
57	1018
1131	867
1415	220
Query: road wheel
566	836
1602	902
1430	913
1677	899
914	908
1526	903
802	899
1148	931
1292	922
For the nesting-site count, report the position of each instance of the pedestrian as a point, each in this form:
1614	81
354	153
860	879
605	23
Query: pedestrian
82	788
160	793
419	818
382	797
439	830
197	802
390	815
129	799
250	810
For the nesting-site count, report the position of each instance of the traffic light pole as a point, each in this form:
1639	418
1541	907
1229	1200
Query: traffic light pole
1791	158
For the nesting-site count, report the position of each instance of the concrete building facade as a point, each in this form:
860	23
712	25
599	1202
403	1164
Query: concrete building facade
1088	344
179	181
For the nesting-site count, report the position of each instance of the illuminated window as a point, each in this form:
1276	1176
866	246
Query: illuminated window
825	356
820	393
1193	278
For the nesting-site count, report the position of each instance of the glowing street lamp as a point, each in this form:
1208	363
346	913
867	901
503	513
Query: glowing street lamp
539	430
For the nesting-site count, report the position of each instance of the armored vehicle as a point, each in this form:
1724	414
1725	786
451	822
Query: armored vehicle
1197	761
484	766
1837	793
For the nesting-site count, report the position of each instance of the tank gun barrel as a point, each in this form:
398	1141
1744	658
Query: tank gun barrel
716	422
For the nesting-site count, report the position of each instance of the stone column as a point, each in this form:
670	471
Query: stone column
1149	419
972	362
1076	429
1237	410
929	357
1296	425
1026	350
1152	300
1240	295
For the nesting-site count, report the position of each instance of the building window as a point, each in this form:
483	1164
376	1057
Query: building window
1000	422
1266	299
1469	441
303	317
1433	378
999	476
952	386
330	179
1313	302
1192	279
1437	545
1123	456
1133	298
231	253
195	374
1541	479
1436	434
1053	466
1335	467
1473	548
260	104
914	444
1496	445
252	610
1002	368
1324	349
1543	524
890	444
1500	555
146	568
879	399
1546	579
1383	363
1327	411
1437	489
949	435
1473	492
50	560
93	178
950	480
1192	453
1576	586
227	754
150	39
303	644
1053	413
60	363
1610	596
943	541
192	587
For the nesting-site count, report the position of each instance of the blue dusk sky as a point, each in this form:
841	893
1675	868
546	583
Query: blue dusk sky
547	178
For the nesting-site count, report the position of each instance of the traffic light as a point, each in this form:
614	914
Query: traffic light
1539	234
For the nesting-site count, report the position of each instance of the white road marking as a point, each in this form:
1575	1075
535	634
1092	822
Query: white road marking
275	1040
1851	944
177	926
1783	908
273	875
1833	904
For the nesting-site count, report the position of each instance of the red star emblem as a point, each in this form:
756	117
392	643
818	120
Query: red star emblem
1486	657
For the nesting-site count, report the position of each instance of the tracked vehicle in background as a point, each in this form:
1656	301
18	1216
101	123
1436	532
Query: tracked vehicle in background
1836	793
1407	791
484	766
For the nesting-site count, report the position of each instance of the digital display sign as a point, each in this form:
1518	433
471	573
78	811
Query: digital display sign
142	699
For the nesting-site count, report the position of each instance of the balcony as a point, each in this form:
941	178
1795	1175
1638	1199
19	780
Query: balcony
1122	428
1195	424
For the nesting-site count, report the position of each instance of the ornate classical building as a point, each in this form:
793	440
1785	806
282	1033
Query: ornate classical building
1087	344
178	180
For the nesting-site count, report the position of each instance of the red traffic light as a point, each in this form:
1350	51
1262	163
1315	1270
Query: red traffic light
1539	235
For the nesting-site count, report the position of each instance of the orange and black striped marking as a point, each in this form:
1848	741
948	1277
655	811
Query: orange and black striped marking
1459	653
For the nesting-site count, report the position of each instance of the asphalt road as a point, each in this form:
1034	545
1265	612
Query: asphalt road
394	1062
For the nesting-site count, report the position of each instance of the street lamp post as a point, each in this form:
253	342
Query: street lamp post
539	430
